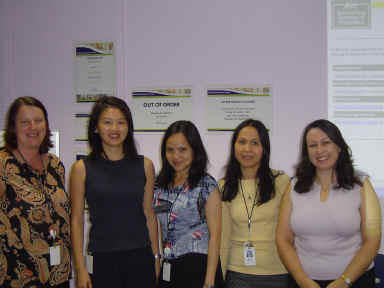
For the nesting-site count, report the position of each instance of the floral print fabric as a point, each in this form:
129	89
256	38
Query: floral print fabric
34	215
181	212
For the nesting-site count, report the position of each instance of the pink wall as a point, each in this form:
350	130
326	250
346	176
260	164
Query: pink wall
172	42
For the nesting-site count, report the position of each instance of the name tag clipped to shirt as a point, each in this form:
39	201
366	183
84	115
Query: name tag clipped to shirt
167	271
249	254
166	264
89	263
54	255
54	251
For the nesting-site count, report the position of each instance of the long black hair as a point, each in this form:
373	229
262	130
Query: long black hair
265	175
200	158
306	171
94	139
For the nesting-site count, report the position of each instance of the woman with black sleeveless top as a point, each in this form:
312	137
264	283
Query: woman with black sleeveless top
118	186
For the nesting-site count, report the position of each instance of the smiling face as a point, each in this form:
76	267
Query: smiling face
179	153
31	127
248	149
112	127
322	151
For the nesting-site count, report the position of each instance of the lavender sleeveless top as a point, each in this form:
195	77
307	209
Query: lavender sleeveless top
327	234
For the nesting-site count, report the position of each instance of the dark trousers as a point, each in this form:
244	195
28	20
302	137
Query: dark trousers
132	268
188	271
63	285
240	280
367	280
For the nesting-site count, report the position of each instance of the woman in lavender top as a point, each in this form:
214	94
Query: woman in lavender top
329	226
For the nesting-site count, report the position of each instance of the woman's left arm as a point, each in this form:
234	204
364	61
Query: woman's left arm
213	213
149	213
370	214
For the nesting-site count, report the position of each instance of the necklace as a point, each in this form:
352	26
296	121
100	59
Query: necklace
42	176
246	207
26	162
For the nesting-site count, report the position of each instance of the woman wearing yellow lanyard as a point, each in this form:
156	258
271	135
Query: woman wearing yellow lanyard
251	193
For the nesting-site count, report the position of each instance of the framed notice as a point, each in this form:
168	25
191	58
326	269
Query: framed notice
154	109
94	71
227	107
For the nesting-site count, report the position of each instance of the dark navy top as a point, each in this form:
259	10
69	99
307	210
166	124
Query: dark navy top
114	191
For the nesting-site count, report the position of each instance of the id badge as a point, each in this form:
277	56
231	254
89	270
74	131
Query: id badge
249	254
89	263
167	271
54	255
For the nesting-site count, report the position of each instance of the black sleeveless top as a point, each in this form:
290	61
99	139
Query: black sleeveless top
114	191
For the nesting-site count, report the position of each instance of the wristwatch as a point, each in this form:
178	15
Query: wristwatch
208	286
346	280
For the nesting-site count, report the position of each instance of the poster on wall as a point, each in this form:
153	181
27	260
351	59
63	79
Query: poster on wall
228	106
80	126
94	70
81	151
54	138
356	80
94	77
154	109
355	31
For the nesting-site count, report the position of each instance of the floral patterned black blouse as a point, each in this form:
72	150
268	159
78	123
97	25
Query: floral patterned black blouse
34	216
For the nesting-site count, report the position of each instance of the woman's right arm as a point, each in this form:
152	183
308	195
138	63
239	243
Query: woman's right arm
284	242
77	192
225	236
